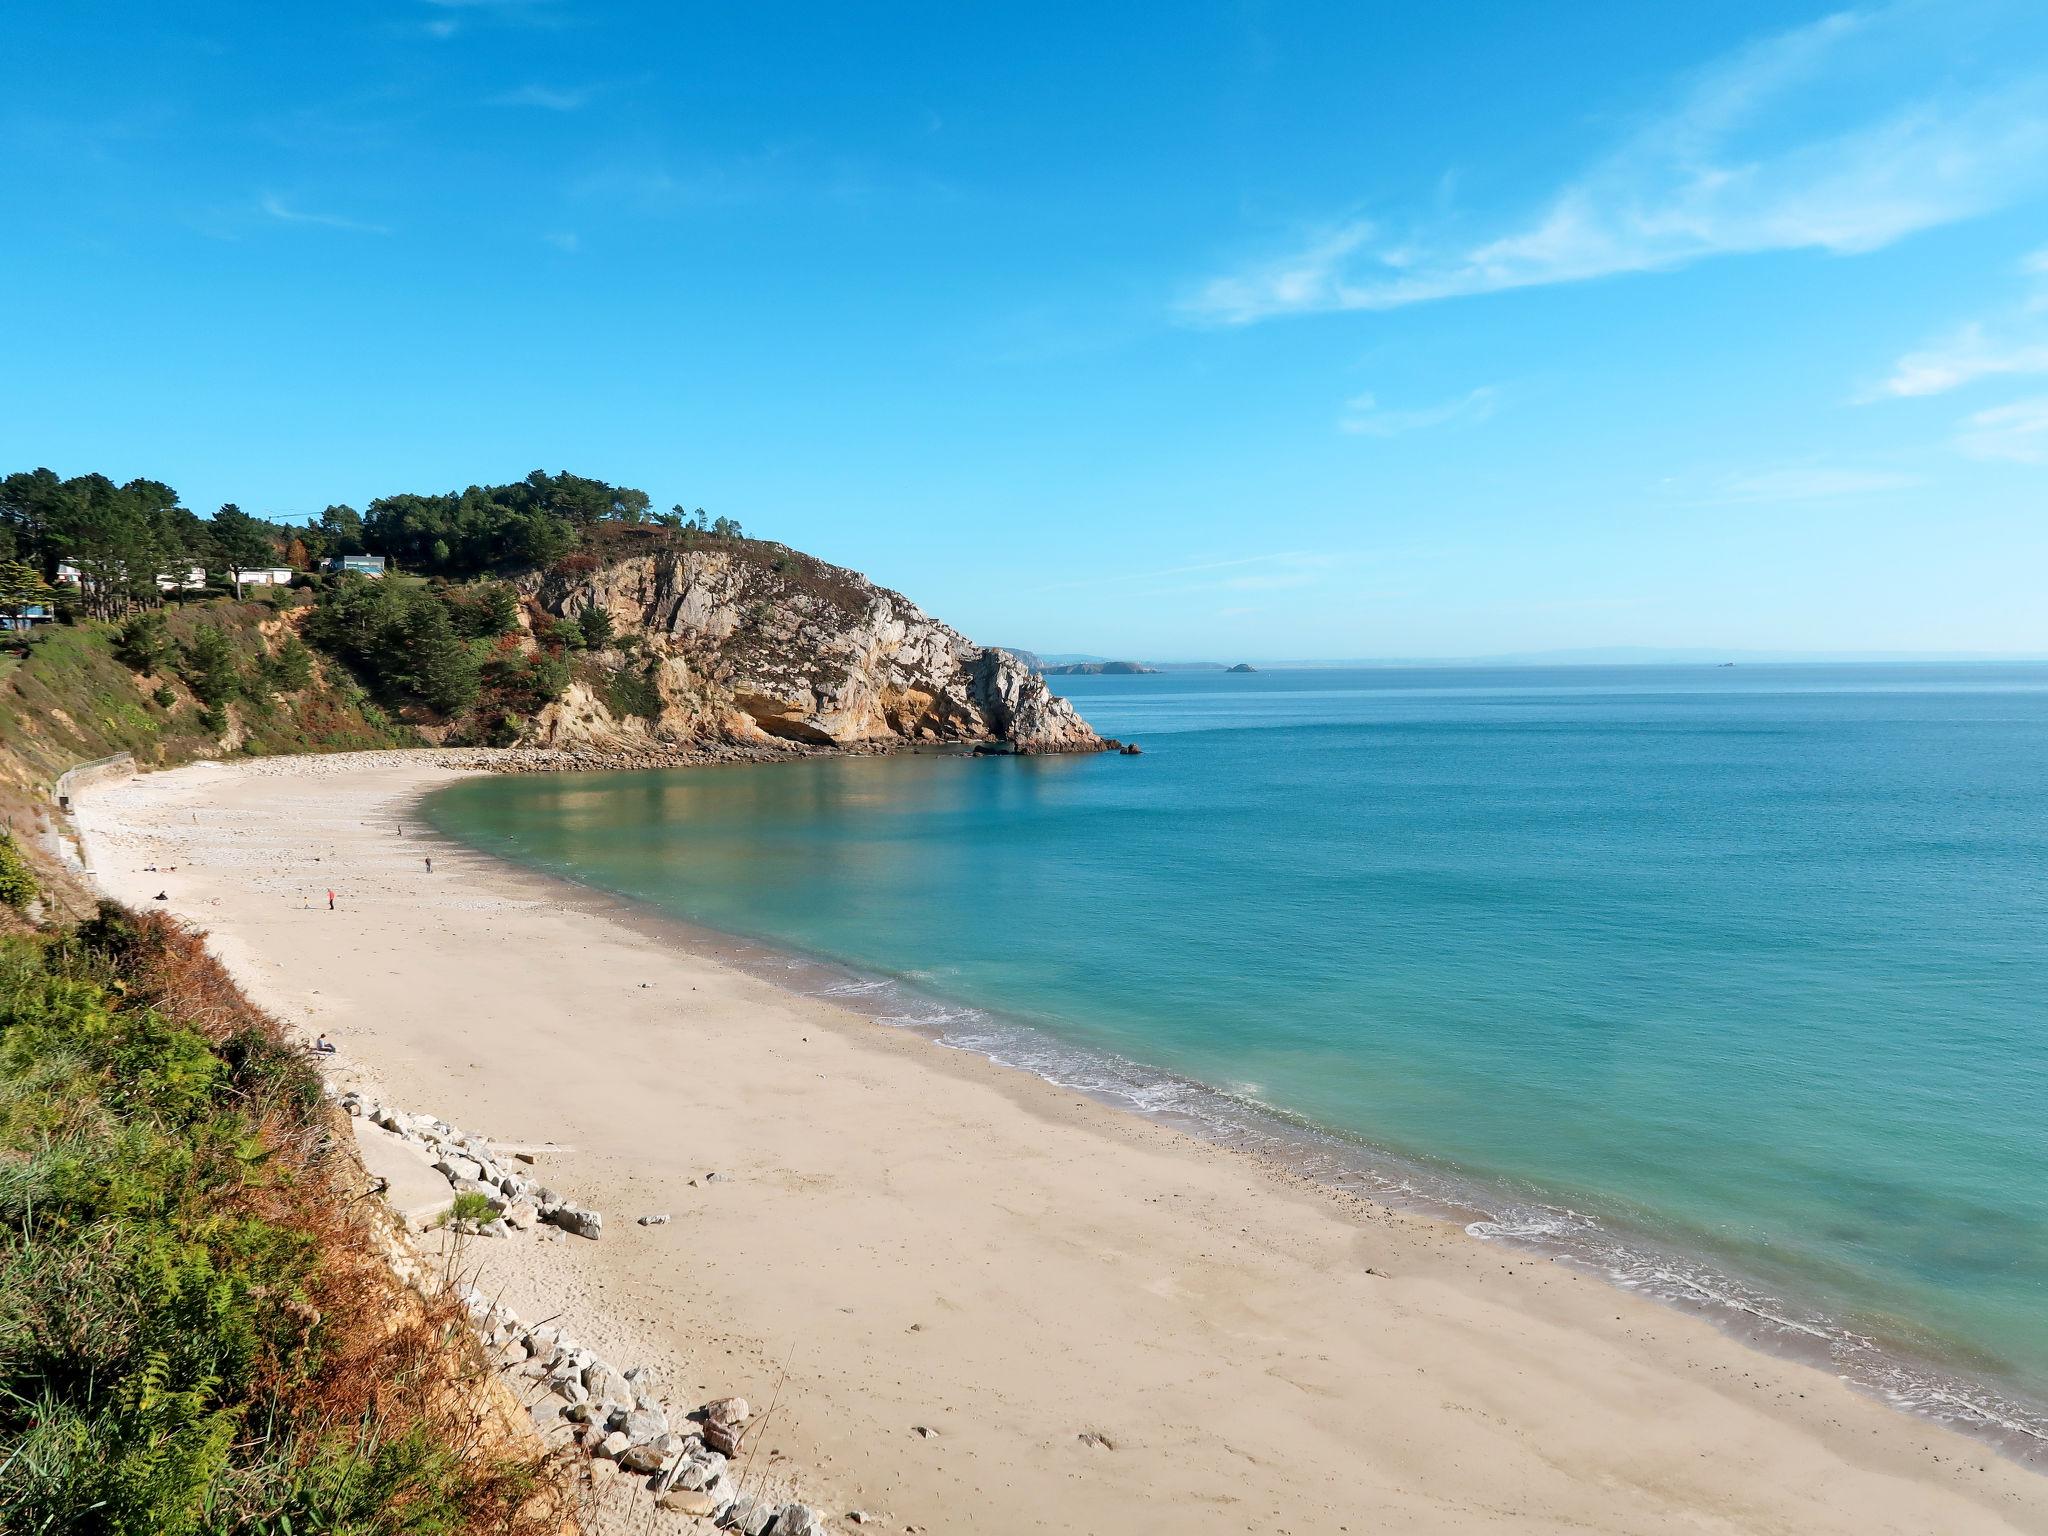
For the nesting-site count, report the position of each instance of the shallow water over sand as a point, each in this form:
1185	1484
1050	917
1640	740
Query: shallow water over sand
1729	981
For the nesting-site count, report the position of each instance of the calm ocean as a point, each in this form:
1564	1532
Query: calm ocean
1729	982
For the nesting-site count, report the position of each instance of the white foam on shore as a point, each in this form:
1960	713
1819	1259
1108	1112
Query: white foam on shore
1490	1213
1629	1260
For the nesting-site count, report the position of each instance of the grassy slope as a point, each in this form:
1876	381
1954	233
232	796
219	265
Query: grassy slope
71	700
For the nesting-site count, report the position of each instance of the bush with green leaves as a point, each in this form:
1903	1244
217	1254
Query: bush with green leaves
17	881
524	685
143	643
594	624
633	692
194	1335
471	1206
208	665
402	639
483	610
291	668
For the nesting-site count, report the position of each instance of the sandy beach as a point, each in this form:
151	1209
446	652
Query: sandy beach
1109	1325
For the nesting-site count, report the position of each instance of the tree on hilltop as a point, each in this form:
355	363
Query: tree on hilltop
241	543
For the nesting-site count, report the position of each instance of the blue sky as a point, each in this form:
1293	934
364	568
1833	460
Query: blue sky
1233	330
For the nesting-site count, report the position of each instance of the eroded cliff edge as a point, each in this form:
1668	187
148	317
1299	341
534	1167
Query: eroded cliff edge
754	644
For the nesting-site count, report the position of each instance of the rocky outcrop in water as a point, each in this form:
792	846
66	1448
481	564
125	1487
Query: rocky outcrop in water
755	644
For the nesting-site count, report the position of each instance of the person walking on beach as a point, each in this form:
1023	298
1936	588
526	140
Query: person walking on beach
330	901
430	864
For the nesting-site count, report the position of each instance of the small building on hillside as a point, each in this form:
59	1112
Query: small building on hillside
360	565
267	576
191	579
30	616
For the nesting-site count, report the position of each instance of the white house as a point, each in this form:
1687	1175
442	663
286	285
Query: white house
267	576
191	579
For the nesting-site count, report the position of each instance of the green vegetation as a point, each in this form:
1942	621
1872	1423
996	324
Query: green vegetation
291	668
484	610
17	881
21	586
143	643
403	639
471	1206
73	698
533	522
207	664
241	543
436	643
120	538
630	691
594	625
194	1335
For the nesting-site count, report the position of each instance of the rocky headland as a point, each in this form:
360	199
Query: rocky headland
752	645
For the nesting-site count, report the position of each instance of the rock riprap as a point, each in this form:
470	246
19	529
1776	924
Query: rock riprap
575	1396
471	1167
578	1397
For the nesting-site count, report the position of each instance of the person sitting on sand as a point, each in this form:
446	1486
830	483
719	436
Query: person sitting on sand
323	1046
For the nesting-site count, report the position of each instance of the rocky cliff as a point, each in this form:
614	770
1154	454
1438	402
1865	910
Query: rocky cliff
751	643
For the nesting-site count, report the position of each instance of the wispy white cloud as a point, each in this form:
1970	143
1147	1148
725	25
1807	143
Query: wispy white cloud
1812	483
1364	416
1970	354
564	240
2017	433
455	14
1825	138
2014	343
284	213
545	97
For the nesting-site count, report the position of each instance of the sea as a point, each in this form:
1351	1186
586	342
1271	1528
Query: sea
1729	984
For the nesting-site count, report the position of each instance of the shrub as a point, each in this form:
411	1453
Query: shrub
165	699
292	667
208	664
503	730
595	626
194	1333
142	644
402	638
471	1206
17	881
483	611
526	685
631	692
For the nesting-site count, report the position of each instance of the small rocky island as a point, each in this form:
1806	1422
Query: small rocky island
1244	666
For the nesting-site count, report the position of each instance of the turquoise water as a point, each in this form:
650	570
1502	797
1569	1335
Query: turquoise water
1732	983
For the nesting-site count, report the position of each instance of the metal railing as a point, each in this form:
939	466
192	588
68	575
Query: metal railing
87	773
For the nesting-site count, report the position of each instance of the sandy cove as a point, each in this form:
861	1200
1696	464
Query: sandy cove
931	1240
